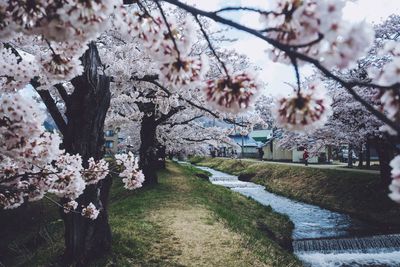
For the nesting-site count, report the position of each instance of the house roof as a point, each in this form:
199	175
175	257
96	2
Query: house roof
261	135
246	140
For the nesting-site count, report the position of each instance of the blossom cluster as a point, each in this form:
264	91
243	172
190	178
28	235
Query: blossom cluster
65	27
388	75
304	110
96	171
316	28
168	43
232	94
395	185
32	163
90	212
132	177
15	73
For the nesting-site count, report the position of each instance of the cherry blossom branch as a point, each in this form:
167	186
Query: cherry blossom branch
263	12
50	47
296	69
169	29
172	124
53	109
61	206
171	113
203	31
153	80
63	93
348	85
199	140
45	95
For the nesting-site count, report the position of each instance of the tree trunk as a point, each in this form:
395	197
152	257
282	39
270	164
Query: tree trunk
386	154
367	154
148	149
161	155
329	153
350	156
361	157
86	239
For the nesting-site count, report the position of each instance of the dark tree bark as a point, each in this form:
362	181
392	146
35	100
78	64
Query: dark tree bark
367	154
161	155
385	154
83	133
148	148
329	153
350	156
361	157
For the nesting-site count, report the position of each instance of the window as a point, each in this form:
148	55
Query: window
109	144
109	133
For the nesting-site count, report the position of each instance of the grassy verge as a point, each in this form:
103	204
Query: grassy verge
183	221
356	193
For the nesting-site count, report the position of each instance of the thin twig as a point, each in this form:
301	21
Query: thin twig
61	206
211	46
234	8
296	69
169	29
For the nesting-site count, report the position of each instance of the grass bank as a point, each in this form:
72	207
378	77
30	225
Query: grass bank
356	193
183	221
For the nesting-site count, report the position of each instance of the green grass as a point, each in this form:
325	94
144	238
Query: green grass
242	214
140	238
356	193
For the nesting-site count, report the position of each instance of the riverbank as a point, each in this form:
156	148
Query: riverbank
355	193
183	221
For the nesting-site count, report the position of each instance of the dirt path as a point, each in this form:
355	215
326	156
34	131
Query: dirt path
196	238
199	240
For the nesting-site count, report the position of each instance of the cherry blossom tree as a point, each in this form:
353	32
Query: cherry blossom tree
146	95
55	43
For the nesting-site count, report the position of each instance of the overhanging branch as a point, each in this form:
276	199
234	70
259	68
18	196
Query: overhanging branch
291	51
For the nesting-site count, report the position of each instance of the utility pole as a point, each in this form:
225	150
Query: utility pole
241	133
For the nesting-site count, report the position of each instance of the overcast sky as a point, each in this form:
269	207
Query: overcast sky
276	74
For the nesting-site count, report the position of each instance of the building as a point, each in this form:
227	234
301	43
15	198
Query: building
248	146
111	141
261	135
273	152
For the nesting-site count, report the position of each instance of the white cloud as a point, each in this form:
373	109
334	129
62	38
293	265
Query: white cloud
208	5
371	10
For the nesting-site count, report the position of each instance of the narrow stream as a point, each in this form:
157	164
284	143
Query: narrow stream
322	238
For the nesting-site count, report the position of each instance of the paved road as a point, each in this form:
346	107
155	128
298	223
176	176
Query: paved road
339	166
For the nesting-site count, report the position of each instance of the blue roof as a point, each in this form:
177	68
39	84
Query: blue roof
247	140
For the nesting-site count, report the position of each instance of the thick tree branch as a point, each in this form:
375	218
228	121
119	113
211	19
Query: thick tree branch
198	140
153	80
165	117
63	93
172	124
53	110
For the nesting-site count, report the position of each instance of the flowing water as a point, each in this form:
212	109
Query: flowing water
321	237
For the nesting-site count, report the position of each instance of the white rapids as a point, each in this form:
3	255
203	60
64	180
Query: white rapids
322	238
